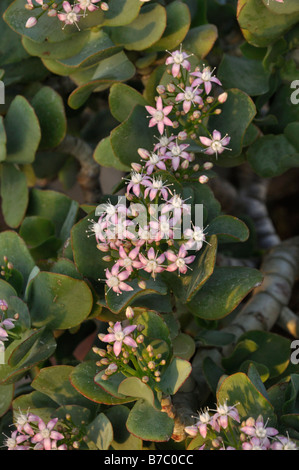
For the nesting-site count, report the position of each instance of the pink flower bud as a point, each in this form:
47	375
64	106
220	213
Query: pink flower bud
104	6
31	22
222	98
136	166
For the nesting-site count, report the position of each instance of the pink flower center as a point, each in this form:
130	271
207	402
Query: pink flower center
158	116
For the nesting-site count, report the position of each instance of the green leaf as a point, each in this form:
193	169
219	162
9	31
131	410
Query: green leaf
122	439
291	6
272	155
187	286
229	228
237	114
144	31
246	74
37	403
49	108
12	246
35	230
99	433
14	194
111	385
70	46
149	424
21	146
175	375
177	26
87	257
52	205
98	47
224	291
105	156
259	25
59	301
99	77
6	397
201	39
116	303
122	12
122	99
82	378
183	346
37	347
54	382
239	389
2	140
134	387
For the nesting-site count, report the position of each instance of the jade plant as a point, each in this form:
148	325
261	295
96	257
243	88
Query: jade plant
160	314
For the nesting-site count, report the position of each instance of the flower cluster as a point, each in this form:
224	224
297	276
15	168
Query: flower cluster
33	433
70	14
152	229
128	352
186	101
222	430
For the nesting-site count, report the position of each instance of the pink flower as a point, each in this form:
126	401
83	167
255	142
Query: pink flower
189	96
176	152
163	143
3	305
159	115
195	238
259	430
88	5
128	260
13	442
223	412
216	144
206	77
71	15
118	336
115	280
162	228
154	160
178	59
180	261
155	186
135	183
255	444
283	443
153	263
47	434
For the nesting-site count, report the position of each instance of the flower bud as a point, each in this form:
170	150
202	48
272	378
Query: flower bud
136	166
129	313
203	179
222	98
208	165
104	6
171	87
52	12
31	22
142	284
160	89
145	379
196	167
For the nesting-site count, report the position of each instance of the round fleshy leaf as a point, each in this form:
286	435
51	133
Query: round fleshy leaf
201	39
59	301
21	146
149	424
14	194
223	291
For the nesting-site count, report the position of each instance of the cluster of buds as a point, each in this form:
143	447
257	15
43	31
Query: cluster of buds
187	99
6	269
66	12
32	433
222	430
128	352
